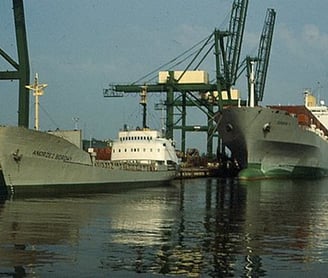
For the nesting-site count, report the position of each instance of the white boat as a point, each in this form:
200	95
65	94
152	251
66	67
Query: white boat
277	141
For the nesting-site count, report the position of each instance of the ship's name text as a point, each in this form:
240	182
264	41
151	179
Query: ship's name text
51	155
282	123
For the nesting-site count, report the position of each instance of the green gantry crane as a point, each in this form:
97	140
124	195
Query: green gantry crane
180	95
264	54
22	67
261	60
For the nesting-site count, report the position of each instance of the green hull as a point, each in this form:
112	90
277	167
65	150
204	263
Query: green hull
254	171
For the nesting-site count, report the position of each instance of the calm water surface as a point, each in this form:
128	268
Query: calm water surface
190	228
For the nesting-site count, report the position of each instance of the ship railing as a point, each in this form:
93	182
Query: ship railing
104	164
135	166
317	131
129	165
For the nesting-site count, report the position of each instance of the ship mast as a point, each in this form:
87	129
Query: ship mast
143	102
252	84
37	91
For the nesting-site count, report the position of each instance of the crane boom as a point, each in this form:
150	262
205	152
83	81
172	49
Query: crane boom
264	54
235	38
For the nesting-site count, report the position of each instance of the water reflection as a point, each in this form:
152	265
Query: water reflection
287	218
29	227
200	227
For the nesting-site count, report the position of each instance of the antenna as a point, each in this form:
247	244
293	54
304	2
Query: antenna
76	122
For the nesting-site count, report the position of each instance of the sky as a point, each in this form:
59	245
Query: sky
79	47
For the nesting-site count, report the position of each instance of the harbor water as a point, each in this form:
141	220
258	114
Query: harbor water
204	227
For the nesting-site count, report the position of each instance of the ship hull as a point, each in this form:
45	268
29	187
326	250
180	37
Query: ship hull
29	158
269	143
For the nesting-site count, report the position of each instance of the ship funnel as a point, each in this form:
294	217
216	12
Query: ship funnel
309	99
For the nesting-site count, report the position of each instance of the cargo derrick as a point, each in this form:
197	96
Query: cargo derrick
180	89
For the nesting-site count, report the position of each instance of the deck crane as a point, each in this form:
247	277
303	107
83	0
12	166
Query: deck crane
262	59
179	95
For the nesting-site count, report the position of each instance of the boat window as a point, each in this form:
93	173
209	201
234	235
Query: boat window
164	144
150	150
144	150
125	150
119	150
158	150
132	150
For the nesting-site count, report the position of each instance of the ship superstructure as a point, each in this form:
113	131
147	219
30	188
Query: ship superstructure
144	147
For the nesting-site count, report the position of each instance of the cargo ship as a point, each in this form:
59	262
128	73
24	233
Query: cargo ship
277	141
29	157
37	158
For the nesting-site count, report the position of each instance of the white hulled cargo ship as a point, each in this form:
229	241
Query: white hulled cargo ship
32	157
29	157
277	141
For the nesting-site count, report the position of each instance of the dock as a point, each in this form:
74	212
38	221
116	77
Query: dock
195	172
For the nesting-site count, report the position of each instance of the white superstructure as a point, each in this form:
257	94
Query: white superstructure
144	146
319	111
